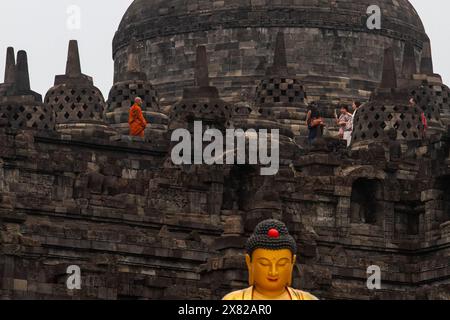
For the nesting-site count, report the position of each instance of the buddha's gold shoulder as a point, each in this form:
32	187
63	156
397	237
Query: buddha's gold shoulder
246	295
303	295
236	295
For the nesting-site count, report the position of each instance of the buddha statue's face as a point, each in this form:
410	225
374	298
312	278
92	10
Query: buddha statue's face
270	271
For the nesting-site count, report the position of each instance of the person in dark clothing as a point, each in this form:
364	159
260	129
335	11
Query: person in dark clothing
314	122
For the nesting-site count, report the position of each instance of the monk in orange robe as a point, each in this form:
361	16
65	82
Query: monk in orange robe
136	120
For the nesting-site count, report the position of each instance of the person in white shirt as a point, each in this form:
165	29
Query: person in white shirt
345	123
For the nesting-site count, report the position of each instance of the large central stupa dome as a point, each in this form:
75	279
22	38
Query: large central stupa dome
328	43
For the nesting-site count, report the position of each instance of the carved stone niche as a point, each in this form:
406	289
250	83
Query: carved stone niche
408	220
365	207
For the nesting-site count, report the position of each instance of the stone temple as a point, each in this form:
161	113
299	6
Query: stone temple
75	189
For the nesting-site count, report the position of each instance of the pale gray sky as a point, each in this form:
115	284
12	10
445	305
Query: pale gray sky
40	28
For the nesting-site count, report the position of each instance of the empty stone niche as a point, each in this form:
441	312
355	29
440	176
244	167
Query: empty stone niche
365	207
408	220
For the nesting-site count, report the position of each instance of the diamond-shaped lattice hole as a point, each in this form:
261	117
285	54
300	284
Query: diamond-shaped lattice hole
376	134
61	107
85	107
377	116
66	115
21	109
41	117
383	125
409	125
72	92
402	116
404	134
80	114
78	99
15	116
67	98
370	125
29	116
73	106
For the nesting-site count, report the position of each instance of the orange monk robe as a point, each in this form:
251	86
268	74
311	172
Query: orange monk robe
137	121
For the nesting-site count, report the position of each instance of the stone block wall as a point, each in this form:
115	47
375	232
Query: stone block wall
140	228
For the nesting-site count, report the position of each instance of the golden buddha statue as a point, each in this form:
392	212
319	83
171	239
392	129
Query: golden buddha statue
270	258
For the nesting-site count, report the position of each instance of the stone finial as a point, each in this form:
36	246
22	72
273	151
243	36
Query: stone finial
133	59
73	66
133	67
22	74
201	68
389	78
201	88
279	59
409	67
426	63
10	66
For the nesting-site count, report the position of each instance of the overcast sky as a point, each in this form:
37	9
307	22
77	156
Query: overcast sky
41	28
